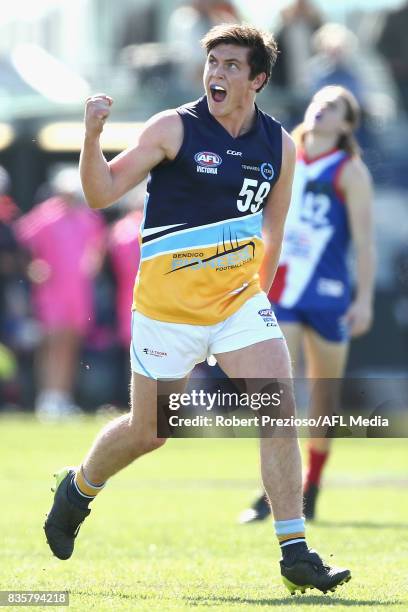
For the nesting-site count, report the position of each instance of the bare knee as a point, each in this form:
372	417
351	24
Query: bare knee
142	435
153	443
144	442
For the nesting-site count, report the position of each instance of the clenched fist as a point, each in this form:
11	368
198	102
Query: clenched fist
97	110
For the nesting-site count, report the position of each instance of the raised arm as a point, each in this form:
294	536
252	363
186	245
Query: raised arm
355	181
104	183
275	213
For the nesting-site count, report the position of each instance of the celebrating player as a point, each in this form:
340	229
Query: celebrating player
220	182
312	290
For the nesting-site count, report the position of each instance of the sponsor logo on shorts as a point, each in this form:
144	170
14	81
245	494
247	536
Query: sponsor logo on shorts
154	353
330	287
207	162
268	316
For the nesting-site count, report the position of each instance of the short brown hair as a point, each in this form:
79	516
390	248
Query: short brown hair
262	46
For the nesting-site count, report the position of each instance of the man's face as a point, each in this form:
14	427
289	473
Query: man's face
226	80
326	114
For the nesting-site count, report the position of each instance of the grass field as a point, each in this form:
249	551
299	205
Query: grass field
163	536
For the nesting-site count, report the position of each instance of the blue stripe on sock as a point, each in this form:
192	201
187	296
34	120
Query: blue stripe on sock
90	484
287	527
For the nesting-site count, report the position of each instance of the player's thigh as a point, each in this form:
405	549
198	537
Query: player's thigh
145	402
293	337
144	393
263	367
324	358
325	365
263	360
290	323
250	343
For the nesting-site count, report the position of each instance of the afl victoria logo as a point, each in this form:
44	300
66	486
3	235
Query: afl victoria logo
266	312
268	316
207	159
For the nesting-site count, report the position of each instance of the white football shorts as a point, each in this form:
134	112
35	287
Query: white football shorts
165	351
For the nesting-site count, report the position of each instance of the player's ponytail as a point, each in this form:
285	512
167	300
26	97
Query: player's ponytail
348	141
298	135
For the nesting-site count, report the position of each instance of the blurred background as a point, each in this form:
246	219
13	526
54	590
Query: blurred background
146	55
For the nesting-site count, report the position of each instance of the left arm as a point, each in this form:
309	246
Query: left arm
275	213
356	184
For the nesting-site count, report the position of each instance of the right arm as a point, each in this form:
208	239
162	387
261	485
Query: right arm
356	183
275	213
104	183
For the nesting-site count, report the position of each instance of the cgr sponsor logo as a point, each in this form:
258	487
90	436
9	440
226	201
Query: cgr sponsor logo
231	152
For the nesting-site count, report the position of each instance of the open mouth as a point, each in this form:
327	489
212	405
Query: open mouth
218	93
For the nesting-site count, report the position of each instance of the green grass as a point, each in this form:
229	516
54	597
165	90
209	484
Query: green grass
163	535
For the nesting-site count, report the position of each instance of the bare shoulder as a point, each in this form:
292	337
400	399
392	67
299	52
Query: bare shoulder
165	121
355	172
288	146
166	129
288	157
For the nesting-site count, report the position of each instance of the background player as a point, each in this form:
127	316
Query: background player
312	291
214	165
64	240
